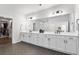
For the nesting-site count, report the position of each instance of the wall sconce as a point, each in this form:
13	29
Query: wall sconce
28	18
31	18
59	11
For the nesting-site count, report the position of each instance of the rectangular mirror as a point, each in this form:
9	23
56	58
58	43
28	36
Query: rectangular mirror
51	24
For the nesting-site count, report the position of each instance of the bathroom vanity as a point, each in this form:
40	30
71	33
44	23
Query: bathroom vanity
63	42
66	41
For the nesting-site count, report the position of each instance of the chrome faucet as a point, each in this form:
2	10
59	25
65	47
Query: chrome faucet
58	30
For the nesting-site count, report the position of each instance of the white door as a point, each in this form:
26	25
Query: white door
71	44
60	45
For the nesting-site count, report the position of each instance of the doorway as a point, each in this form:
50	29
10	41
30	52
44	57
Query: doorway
5	30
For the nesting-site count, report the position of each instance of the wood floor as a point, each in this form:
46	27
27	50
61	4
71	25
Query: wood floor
22	48
5	40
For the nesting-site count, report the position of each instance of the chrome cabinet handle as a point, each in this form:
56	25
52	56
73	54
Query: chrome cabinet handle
65	41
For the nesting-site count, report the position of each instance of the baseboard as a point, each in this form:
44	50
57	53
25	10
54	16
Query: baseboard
14	42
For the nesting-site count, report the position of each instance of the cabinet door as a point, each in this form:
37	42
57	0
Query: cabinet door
71	44
34	38
22	36
40	39
31	36
45	41
60	45
26	37
52	41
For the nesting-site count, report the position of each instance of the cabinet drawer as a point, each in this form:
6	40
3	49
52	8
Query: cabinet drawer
71	38
51	36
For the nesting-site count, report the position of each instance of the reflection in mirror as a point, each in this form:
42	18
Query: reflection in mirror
51	24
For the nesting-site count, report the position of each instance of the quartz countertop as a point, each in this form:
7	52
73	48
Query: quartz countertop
62	33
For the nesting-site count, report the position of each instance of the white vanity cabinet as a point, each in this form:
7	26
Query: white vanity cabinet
42	40
39	40
45	41
33	38
63	43
26	38
67	44
60	45
51	41
71	44
21	36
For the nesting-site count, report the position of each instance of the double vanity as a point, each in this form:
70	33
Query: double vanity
55	33
64	42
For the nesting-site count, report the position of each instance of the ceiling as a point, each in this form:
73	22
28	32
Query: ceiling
33	8
23	8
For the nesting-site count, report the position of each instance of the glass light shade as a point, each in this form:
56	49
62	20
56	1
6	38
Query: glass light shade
78	21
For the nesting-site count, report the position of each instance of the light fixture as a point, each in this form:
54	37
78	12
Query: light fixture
31	18
40	4
78	21
59	11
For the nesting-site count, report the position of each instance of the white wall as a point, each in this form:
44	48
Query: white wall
11	11
16	27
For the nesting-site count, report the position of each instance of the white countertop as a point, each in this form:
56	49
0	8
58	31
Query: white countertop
62	33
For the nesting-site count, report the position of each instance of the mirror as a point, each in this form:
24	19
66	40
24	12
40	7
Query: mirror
51	24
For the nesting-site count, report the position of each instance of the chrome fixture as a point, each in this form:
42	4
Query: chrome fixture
40	4
59	11
58	31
